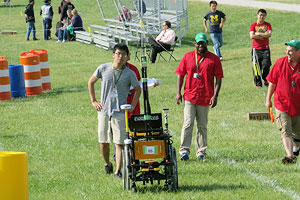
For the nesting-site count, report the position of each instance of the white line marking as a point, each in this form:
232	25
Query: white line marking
260	178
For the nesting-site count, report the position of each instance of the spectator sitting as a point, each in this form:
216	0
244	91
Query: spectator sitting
76	21
63	34
163	41
124	14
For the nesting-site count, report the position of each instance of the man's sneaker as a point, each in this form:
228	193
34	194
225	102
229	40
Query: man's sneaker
201	157
296	151
184	156
221	58
118	175
109	168
289	160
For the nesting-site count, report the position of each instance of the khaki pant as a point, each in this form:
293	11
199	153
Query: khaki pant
190	112
289	126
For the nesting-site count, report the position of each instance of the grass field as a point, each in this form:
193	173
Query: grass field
283	1
58	129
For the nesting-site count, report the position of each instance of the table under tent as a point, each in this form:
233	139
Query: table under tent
135	20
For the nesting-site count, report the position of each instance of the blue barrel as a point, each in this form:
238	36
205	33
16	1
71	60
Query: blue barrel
17	81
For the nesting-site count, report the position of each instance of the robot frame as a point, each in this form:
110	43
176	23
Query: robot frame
149	154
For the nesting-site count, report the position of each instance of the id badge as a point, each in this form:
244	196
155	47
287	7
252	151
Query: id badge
114	93
197	75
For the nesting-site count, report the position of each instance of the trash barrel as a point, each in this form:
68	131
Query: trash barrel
5	91
45	71
32	73
14	176
17	81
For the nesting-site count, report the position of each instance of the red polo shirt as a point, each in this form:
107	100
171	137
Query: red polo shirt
136	110
199	90
260	44
287	92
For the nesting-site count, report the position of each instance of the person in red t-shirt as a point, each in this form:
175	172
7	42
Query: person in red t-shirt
200	68
260	32
136	110
284	80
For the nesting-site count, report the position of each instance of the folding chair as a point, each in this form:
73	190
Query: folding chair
170	52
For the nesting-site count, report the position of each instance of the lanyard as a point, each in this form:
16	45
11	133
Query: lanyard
196	59
293	68
116	81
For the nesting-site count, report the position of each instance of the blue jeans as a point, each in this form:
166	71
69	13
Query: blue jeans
217	39
62	34
47	23
30	27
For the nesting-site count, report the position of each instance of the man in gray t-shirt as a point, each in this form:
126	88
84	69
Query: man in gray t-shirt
116	80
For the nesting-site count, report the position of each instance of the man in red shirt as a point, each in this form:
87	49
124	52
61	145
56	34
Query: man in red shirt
284	80
260	32
200	68
136	110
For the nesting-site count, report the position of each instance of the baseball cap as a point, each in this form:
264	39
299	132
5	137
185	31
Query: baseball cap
202	37
293	43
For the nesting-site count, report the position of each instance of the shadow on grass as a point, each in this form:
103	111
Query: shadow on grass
155	188
204	188
63	90
12	136
212	187
12	6
55	92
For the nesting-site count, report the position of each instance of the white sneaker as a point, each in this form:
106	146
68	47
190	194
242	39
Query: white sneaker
64	41
221	58
58	41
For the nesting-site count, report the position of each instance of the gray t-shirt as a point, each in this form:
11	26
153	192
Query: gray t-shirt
126	79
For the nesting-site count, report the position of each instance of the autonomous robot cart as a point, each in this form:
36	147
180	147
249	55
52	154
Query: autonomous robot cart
148	154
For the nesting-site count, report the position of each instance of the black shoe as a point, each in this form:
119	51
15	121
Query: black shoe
109	168
118	175
296	153
289	160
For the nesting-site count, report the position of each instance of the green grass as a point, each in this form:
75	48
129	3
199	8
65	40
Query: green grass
283	1
58	129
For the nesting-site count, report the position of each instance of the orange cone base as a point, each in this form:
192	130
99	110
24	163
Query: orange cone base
33	91
5	96
46	86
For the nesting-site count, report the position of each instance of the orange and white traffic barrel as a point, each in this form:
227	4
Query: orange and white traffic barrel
32	73
45	71
5	91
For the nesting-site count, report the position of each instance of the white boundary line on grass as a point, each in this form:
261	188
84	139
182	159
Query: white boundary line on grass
291	193
260	178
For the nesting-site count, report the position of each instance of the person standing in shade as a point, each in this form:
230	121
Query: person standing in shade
215	26
163	41
47	13
284	80
116	80
30	20
260	32
200	67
